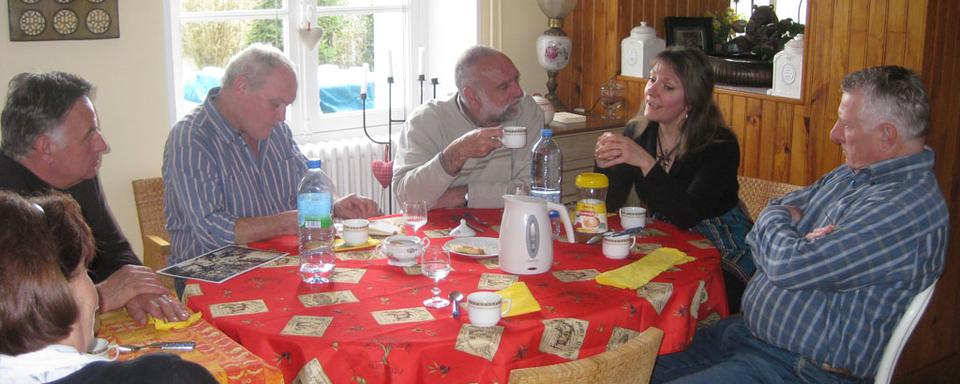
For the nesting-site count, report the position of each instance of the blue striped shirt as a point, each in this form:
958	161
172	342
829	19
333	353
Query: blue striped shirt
836	300
211	179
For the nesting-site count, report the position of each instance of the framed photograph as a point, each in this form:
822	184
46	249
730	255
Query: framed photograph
690	31
221	264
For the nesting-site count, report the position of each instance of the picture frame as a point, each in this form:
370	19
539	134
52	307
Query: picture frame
690	31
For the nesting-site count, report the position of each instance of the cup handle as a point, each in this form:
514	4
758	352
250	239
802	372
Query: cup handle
113	352
508	302
633	241
426	242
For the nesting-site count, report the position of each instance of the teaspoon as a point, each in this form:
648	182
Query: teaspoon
455	297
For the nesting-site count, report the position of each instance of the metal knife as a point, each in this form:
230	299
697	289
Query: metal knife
598	237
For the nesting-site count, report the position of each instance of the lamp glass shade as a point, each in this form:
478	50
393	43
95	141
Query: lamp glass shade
556	9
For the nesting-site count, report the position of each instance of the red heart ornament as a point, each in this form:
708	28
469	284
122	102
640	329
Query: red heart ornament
383	171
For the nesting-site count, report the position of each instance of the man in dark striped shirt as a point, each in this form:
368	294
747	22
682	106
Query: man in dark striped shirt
839	261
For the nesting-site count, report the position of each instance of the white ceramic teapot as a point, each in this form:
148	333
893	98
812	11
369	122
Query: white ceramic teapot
526	243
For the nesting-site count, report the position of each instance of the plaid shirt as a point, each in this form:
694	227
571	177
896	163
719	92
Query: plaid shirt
211	179
836	299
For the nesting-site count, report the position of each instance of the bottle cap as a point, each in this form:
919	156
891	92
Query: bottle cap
547	132
313	164
592	180
554	215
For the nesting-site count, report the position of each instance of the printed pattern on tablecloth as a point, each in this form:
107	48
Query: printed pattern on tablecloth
237	308
437	233
699	297
701	243
490	262
496	281
285	261
402	315
413	270
313	326
312	373
572	275
652	232
367	254
190	290
657	294
620	336
347	275
327	298
479	341
563	337
645	248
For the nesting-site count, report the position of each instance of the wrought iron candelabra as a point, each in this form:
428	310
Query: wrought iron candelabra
390	121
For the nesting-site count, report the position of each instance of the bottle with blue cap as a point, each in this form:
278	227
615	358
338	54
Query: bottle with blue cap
315	220
546	171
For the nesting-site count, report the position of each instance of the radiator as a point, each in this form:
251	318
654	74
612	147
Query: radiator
348	162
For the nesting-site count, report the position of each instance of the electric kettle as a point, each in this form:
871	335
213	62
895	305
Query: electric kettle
526	243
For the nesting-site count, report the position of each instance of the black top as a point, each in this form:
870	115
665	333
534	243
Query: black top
700	185
113	249
147	369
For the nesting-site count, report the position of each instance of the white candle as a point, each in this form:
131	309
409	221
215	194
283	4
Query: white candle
389	63
363	83
420	61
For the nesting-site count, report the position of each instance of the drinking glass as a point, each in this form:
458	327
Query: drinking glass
414	214
611	98
435	264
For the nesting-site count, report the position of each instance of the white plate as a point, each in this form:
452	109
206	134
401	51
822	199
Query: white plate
490	246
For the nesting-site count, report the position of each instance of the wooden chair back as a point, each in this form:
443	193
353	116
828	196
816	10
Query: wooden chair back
631	362
148	196
755	193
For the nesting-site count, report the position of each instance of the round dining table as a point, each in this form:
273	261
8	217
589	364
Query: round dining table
370	325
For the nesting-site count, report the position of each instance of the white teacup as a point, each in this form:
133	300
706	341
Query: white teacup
618	247
485	309
101	347
403	251
356	231
633	217
514	136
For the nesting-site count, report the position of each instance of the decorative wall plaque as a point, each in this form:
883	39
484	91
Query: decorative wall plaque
34	20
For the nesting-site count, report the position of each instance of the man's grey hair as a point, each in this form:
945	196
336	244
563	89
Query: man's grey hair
254	63
464	73
38	103
894	94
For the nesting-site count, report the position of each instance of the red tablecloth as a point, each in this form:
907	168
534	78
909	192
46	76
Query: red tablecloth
347	344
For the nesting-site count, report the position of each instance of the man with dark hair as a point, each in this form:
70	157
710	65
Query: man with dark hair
52	140
450	149
839	261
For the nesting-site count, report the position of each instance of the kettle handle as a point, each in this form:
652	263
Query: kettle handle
564	217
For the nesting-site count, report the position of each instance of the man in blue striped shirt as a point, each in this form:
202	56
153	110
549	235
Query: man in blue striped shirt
839	261
231	168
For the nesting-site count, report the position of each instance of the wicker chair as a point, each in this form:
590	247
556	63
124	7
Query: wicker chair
755	193
631	362
148	195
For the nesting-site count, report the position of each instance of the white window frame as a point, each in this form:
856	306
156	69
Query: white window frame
307	123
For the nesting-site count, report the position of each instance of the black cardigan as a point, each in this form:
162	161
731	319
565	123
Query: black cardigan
700	185
113	249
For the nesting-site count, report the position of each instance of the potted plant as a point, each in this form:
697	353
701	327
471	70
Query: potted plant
746	59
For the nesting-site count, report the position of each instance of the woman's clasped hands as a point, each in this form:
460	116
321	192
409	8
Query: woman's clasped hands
612	149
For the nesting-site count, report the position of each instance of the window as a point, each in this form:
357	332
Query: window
793	9
383	36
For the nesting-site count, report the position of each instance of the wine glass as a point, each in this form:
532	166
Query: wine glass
415	214
611	97
435	264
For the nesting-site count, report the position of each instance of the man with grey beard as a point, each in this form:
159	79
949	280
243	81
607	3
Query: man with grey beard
449	153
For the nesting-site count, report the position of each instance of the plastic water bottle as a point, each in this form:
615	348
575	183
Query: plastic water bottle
315	219
545	170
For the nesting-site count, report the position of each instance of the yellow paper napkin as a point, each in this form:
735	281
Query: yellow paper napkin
640	272
339	245
521	300
163	325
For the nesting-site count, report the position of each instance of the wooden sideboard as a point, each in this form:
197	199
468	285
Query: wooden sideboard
576	143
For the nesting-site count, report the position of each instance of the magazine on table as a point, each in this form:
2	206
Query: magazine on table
221	264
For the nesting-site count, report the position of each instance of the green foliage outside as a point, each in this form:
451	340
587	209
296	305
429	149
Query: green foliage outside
347	40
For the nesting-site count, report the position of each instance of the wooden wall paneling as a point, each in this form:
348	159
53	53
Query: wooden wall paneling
782	146
916	29
768	135
896	41
801	155
858	34
876	32
835	68
738	122
751	153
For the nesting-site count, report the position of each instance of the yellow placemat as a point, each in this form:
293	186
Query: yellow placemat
163	325
640	272
521	300
339	245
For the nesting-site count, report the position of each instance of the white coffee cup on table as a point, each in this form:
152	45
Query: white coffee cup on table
633	217
618	247
485	309
356	231
514	136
